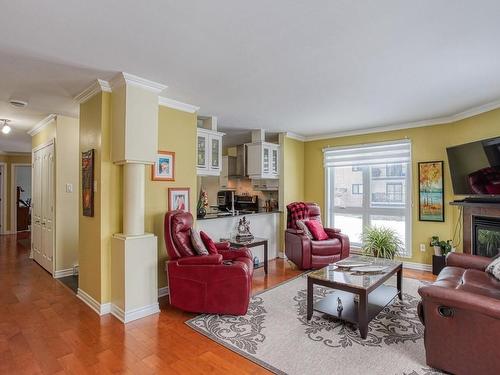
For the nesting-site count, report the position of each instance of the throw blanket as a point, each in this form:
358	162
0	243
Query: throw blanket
296	211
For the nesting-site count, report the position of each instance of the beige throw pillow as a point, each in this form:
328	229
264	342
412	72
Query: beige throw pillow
197	243
303	227
494	268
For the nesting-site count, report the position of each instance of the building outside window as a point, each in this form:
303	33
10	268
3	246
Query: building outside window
369	185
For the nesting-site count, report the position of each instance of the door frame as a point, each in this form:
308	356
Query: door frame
13	195
3	197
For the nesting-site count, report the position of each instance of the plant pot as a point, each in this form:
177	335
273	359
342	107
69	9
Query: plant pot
437	251
201	213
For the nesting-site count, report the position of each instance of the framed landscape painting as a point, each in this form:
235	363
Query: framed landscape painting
164	167
430	191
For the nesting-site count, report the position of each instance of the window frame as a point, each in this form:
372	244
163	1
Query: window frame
366	210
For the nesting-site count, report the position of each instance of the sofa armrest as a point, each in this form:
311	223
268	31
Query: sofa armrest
222	245
231	253
344	240
298	232
200	260
467	261
460	299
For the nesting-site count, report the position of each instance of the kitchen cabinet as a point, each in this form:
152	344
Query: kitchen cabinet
263	160
208	152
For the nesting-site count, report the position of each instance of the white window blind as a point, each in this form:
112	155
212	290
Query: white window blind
369	185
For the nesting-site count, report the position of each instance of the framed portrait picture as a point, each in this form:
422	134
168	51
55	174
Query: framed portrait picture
178	199
164	166
430	191
88	183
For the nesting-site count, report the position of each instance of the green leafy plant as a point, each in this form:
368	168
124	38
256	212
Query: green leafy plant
381	242
434	241
445	246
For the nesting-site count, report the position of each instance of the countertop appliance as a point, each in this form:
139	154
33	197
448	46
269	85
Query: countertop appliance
225	200
249	203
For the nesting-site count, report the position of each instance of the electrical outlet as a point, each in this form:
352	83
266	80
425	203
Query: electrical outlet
69	188
422	247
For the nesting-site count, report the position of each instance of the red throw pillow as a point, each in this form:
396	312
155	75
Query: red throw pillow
209	244
317	230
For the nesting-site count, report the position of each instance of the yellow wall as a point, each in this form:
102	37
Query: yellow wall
177	133
95	232
292	179
428	143
7	194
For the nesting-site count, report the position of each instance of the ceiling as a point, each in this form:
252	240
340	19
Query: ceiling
311	68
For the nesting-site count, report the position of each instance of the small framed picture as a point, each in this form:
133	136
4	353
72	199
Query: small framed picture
88	183
164	167
178	199
431	191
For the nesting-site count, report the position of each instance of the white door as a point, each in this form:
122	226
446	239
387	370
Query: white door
43	207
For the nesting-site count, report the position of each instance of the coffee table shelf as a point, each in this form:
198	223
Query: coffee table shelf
377	300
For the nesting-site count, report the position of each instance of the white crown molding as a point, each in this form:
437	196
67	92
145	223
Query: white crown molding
100	309
42	124
123	78
295	136
7	153
416	124
96	87
171	103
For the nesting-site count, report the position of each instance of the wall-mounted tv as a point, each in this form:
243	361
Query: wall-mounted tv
475	168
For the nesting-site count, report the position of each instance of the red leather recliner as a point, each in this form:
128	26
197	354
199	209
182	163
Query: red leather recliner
215	284
311	254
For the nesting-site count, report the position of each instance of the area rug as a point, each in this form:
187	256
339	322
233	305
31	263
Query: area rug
276	335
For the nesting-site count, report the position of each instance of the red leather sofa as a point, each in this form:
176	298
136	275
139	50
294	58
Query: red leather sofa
461	314
310	254
215	284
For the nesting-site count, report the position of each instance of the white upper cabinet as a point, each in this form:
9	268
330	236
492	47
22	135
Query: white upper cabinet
263	160
208	152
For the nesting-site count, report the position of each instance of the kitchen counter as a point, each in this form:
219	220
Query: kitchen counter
215	216
262	224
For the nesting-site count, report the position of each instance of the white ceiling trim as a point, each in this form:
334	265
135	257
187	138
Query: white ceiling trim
41	125
7	153
96	87
295	136
171	103
123	78
417	124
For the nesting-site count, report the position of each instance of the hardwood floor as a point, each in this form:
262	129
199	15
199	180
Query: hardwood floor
45	329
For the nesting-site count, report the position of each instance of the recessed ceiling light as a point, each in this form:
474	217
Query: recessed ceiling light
17	103
5	128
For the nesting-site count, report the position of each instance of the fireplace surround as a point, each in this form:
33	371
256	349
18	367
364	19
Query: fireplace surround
481	228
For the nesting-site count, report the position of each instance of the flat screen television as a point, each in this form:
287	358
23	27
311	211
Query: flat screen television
475	168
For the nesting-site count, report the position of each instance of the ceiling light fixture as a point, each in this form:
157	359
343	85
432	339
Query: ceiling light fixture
18	103
5	128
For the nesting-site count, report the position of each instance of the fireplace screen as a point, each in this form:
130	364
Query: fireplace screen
486	236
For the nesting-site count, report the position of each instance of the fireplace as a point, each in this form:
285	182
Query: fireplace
481	227
485	236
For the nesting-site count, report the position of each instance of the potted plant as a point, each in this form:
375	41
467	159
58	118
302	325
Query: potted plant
435	245
381	242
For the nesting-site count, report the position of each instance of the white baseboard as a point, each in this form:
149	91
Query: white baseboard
63	273
128	316
162	292
100	309
417	266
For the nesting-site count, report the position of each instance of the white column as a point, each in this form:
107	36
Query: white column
133	199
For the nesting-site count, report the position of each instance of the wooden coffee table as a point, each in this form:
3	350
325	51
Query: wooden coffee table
373	294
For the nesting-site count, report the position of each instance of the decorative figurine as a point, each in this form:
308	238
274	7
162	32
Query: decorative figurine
244	230
339	306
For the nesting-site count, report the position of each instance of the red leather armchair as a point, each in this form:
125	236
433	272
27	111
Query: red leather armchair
310	254
214	284
461	314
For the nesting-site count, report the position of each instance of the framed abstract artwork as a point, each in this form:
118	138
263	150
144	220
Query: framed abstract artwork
164	166
430	191
88	183
178	199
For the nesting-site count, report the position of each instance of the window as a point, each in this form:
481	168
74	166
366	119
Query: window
357	188
369	185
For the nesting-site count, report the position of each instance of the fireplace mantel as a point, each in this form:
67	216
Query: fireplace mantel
471	209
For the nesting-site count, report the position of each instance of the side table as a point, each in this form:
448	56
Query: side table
257	241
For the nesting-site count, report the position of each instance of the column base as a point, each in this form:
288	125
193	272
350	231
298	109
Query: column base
134	276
